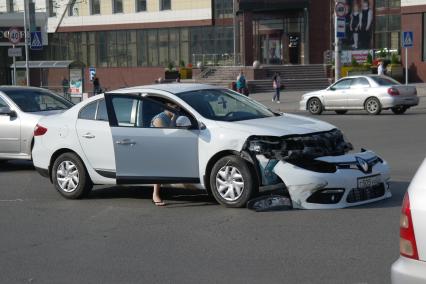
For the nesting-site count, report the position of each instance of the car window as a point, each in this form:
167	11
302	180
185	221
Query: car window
101	113
164	111
360	83
35	100
126	110
384	81
3	103
225	105
89	111
342	84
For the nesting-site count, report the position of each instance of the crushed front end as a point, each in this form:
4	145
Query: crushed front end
318	171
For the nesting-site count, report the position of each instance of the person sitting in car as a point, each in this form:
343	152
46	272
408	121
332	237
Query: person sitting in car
165	119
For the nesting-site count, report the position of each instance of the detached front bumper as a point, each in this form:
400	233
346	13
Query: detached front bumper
359	179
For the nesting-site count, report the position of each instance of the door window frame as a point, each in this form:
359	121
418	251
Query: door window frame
113	122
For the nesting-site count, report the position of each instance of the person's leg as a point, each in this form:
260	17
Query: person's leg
156	196
275	95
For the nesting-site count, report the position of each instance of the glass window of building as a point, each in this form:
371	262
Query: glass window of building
9	6
163	42
140	5
117	6
165	4
52	8
394	3
95	7
73	9
152	48
142	47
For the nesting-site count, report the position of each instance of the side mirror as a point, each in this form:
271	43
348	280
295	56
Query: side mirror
331	89
183	122
7	111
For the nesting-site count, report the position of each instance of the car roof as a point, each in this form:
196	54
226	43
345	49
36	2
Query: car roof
14	88
174	88
366	75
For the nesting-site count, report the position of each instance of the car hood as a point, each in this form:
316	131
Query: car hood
286	124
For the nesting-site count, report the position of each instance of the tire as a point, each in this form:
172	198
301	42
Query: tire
315	106
399	110
75	181
341	111
232	182
373	106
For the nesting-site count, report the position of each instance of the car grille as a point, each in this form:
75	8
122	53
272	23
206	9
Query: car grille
363	194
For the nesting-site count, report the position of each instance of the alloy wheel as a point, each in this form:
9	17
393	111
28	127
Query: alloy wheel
229	183
68	176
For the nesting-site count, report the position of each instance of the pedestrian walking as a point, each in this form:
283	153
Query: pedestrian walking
241	83
96	86
65	87
276	84
381	69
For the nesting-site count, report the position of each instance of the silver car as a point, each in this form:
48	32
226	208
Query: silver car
372	93
20	110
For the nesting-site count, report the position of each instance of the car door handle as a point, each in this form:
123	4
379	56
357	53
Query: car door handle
88	135
125	142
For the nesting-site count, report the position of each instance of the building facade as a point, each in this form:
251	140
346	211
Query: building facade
130	42
414	19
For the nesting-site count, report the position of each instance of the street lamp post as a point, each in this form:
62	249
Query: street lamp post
27	69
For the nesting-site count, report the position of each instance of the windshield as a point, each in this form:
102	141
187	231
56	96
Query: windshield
224	105
33	100
384	81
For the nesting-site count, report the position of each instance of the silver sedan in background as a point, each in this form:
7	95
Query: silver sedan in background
372	93
20	110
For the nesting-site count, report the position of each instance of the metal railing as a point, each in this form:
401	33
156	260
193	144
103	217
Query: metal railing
224	59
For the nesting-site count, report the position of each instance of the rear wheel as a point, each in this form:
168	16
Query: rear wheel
399	110
341	111
232	182
315	106
70	177
372	106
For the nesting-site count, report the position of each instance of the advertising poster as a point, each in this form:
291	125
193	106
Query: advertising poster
76	81
359	21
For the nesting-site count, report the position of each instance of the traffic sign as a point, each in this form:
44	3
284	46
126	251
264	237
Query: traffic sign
12	52
407	39
36	41
340	9
14	35
341	28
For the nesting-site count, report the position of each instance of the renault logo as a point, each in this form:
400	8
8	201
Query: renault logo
362	165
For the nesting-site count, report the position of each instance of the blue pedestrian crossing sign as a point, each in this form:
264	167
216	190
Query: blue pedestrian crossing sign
36	41
407	39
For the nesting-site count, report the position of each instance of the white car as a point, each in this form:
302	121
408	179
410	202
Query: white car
224	142
372	93
410	268
20	110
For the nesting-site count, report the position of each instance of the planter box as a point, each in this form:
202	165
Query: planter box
395	71
185	73
171	75
350	71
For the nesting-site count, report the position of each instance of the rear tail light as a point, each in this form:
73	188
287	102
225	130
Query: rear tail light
407	241
39	130
393	91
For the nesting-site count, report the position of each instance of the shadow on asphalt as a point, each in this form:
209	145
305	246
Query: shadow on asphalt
17	165
174	197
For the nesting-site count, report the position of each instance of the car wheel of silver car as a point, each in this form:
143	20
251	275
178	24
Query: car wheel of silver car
232	182
315	106
70	176
399	110
373	106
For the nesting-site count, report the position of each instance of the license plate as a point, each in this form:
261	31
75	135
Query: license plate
366	182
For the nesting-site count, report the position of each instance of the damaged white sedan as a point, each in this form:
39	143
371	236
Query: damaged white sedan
217	139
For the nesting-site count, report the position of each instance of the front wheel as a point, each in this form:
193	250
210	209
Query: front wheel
70	177
373	106
232	182
315	106
399	110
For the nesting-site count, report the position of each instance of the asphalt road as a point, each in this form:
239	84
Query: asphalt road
118	236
